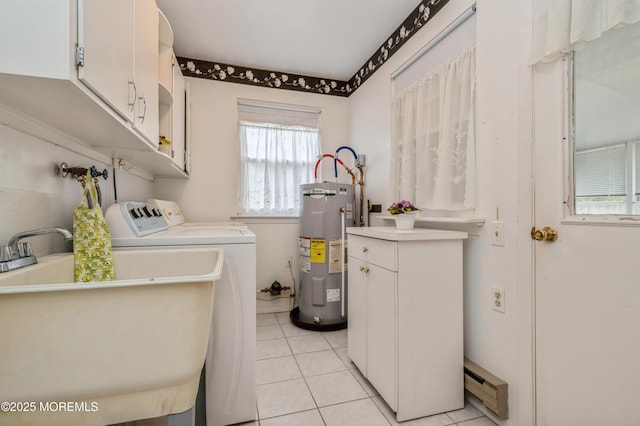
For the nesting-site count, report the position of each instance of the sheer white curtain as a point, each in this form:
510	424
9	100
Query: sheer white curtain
560	26
433	137
274	160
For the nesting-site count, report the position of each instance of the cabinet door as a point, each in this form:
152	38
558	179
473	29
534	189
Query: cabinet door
105	33
381	336
146	119
357	314
178	140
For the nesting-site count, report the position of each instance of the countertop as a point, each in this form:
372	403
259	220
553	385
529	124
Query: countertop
417	234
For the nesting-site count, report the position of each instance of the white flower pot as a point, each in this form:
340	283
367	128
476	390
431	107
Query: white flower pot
405	221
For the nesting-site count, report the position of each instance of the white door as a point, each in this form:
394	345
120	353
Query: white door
587	288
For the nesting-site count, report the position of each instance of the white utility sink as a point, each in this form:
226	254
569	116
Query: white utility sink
112	351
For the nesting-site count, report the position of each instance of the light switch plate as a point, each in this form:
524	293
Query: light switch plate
497	233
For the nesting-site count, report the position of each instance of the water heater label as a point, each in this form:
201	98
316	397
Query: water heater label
336	256
318	248
318	193
333	295
305	263
304	246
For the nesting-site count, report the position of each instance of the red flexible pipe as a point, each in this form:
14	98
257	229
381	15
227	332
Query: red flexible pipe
315	170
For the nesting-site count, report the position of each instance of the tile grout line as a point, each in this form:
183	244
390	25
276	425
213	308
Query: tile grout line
347	368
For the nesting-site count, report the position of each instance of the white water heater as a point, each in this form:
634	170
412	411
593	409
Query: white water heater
327	209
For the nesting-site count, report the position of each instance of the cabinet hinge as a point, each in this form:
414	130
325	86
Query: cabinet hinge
79	56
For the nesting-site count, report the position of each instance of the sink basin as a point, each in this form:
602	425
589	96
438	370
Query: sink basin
115	351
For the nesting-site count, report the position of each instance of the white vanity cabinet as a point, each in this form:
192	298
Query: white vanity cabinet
405	316
86	70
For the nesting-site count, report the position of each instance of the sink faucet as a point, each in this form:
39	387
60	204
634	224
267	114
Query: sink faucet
17	255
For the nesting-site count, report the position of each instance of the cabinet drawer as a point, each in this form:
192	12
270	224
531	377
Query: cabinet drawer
378	252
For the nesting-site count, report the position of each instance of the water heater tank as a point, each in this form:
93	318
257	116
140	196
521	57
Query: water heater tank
327	208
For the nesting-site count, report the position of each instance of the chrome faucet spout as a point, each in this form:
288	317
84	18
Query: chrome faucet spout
13	242
17	255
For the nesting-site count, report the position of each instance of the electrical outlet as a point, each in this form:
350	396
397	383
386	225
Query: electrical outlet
497	233
497	299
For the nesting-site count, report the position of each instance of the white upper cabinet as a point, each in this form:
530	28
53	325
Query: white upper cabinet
106	42
87	69
146	69
178	120
118	42
172	90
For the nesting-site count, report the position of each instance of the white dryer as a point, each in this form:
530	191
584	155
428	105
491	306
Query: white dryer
230	377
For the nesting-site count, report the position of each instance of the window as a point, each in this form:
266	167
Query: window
279	145
433	124
606	107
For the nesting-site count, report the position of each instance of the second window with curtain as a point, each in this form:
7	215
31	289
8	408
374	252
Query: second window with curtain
433	137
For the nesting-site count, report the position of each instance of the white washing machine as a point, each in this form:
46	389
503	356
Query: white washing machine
230	377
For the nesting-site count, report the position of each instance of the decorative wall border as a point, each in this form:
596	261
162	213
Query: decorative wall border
264	78
280	80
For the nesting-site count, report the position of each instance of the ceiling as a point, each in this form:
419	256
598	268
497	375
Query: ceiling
329	38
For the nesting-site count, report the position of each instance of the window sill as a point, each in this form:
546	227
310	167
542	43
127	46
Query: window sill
469	224
596	220
266	219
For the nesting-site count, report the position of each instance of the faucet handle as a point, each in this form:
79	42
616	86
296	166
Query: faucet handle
24	249
7	253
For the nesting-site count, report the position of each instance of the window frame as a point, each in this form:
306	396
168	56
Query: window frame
244	210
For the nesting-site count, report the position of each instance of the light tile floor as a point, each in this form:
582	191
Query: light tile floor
306	378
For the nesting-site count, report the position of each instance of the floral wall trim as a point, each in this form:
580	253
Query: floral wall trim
265	78
416	20
281	80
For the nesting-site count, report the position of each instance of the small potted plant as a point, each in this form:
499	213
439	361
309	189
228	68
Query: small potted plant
403	213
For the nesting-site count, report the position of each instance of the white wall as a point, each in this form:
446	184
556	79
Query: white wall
491	338
210	194
363	121
33	196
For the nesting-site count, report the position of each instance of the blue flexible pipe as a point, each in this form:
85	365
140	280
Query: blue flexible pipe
335	160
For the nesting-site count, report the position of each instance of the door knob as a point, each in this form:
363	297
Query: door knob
548	233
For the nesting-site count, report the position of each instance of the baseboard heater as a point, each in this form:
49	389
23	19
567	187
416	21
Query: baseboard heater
491	390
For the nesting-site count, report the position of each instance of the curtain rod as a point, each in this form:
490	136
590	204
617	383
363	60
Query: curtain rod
442	34
280	106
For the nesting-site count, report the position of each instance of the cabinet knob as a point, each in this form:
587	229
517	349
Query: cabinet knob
364	269
364	249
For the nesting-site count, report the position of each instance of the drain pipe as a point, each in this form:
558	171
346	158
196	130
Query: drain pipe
342	259
361	184
353	179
